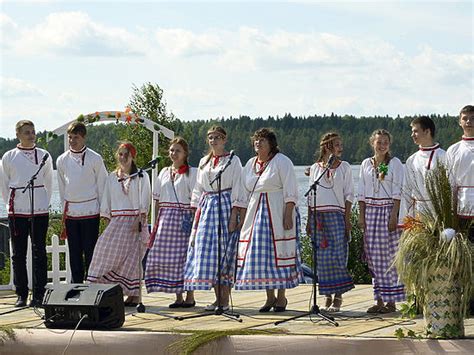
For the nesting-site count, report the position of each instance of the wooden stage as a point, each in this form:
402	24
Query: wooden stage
353	320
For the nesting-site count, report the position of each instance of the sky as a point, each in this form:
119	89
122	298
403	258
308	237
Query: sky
60	59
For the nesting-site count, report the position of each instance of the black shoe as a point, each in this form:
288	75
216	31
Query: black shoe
176	304
266	308
35	303
188	305
21	301
280	308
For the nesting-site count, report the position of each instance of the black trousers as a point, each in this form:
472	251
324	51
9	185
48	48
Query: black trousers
82	236
20	244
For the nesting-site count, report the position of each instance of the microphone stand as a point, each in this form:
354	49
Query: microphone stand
151	165
219	311
315	308
30	187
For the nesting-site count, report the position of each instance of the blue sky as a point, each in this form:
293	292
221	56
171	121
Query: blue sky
219	59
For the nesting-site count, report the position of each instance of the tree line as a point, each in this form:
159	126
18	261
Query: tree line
298	137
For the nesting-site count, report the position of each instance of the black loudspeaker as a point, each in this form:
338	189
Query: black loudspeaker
100	306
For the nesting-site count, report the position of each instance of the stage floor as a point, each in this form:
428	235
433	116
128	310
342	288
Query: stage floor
353	319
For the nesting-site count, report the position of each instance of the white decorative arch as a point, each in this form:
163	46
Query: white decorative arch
125	117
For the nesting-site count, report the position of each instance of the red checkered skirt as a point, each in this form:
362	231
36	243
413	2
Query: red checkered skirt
117	258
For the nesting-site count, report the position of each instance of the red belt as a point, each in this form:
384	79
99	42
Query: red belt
63	235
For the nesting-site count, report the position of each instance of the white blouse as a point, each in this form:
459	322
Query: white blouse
279	175
374	191
334	188
230	179
164	193
460	162
122	199
18	166
81	181
417	167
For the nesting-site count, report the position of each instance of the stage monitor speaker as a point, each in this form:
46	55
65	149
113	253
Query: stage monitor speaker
101	305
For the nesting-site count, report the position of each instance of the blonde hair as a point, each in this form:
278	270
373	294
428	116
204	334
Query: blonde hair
326	144
214	129
20	124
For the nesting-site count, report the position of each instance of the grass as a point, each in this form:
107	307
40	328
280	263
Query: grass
199	338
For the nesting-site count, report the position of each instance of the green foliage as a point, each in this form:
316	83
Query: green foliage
423	250
6	333
298	137
409	309
356	263
147	101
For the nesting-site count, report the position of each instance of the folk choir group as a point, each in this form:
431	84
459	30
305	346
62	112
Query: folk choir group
257	211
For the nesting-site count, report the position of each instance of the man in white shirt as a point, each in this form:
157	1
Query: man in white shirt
81	181
19	165
460	162
415	197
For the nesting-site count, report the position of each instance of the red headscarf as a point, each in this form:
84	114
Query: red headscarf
131	149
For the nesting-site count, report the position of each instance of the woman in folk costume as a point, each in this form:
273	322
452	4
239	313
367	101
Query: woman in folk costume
268	254
173	222
201	271
380	187
117	255
334	197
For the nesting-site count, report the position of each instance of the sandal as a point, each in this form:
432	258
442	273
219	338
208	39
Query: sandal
328	303
336	305
376	308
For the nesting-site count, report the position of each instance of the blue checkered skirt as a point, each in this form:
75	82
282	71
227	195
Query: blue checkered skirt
331	248
380	249
259	270
201	270
167	257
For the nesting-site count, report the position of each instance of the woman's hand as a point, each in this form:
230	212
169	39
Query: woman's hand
233	220
392	223
361	222
288	216
348	226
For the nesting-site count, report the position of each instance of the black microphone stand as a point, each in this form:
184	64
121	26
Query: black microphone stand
315	308
219	311
30	187
151	165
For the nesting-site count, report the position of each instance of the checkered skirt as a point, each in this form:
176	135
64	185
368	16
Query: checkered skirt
201	270
166	259
380	248
259	270
116	257
331	253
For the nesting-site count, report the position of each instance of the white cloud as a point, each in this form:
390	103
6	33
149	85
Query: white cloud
13	87
180	42
76	34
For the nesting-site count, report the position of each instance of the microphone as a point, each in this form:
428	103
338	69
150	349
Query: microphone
45	157
331	160
154	161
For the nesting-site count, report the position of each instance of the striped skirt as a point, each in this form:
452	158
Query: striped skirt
167	256
331	248
380	249
201	270
259	270
116	256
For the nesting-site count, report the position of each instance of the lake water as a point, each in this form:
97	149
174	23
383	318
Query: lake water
302	181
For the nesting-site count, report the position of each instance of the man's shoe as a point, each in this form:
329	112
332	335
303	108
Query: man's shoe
21	301
35	303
